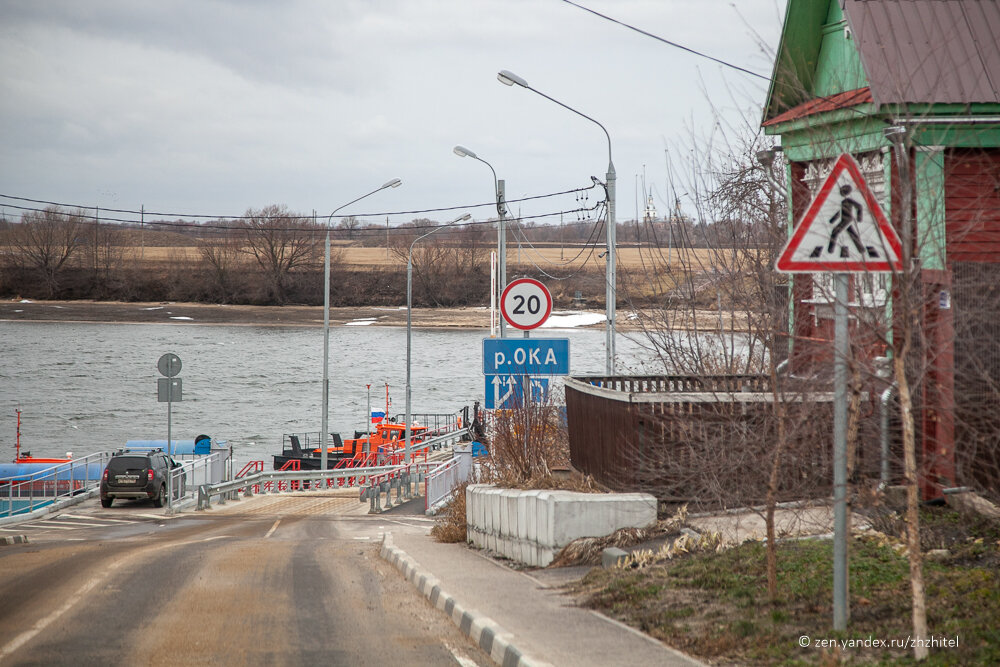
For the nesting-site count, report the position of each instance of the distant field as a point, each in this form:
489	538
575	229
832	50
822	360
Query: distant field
553	257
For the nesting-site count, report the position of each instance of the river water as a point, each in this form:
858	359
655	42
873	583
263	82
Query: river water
83	388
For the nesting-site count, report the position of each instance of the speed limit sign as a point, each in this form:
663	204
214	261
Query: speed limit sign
526	303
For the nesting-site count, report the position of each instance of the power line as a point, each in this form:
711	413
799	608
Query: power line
287	217
791	85
669	42
80	213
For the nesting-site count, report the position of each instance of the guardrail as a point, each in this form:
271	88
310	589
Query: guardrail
399	478
372	480
24	494
280	480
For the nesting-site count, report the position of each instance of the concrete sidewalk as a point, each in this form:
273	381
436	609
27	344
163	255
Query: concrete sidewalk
517	617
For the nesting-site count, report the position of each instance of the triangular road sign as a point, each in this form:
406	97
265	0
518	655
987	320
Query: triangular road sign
844	229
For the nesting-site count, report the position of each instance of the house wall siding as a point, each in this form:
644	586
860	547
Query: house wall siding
972	205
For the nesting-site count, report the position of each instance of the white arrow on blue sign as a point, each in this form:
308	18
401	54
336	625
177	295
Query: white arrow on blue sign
526	356
506	392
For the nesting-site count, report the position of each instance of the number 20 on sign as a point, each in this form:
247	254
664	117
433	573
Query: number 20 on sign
526	304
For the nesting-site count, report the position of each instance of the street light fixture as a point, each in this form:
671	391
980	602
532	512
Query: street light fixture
509	79
498	185
409	308
325	422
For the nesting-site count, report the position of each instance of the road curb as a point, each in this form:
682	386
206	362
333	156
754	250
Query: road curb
483	631
13	539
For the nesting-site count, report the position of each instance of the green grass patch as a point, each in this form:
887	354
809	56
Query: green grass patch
715	605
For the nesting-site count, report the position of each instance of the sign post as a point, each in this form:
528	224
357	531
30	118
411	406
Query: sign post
168	391
843	231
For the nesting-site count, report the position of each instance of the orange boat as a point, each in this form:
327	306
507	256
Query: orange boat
383	445
387	440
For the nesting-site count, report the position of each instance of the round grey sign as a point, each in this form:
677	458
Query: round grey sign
169	364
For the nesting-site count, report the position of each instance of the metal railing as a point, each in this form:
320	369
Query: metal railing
24	494
285	480
371	480
441	482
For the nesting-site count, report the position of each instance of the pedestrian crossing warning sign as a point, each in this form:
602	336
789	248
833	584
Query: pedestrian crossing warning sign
844	229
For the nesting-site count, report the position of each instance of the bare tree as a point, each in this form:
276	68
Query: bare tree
45	241
223	256
281	242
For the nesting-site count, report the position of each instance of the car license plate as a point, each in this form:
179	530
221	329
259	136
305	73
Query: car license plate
126	479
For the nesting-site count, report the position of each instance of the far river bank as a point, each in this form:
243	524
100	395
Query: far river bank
119	312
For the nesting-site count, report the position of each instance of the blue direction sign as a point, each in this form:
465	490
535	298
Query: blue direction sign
506	392
526	356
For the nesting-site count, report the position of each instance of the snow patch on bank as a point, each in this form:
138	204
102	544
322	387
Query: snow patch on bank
568	319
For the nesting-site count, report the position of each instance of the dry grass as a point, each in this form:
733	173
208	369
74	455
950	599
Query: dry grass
550	258
588	550
451	525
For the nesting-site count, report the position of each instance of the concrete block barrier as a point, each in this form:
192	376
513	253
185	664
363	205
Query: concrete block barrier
532	526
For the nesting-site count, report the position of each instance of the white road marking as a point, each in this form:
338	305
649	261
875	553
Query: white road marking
75	524
96	518
273	528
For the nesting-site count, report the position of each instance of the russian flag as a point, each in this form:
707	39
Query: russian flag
377	416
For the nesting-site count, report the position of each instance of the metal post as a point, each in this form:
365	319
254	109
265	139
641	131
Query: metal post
409	307
170	449
325	421
610	295
841	612
502	249
394	183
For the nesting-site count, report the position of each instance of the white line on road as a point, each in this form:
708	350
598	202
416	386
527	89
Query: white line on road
273	528
95	518
74	524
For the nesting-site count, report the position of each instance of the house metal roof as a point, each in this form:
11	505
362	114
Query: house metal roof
820	104
911	52
928	51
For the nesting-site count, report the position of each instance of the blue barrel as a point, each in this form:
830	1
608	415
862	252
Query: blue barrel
180	446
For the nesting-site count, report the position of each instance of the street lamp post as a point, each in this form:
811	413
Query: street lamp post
498	185
409	309
509	79
325	422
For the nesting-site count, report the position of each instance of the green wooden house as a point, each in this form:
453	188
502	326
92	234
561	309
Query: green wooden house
911	89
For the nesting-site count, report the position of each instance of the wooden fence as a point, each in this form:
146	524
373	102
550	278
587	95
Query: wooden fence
705	440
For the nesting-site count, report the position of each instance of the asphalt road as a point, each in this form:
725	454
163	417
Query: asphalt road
272	581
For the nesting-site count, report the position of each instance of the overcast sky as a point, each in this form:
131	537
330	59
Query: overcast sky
214	106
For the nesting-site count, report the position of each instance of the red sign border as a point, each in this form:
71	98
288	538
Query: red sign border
785	264
521	281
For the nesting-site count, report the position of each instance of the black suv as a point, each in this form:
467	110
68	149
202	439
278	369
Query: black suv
139	475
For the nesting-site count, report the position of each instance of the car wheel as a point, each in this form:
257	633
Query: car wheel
106	502
158	500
